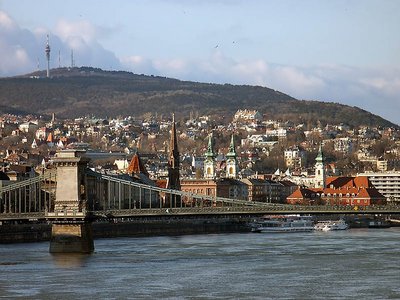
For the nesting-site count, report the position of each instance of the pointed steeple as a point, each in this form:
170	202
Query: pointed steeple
231	162
173	161
320	174
209	162
232	150
320	156
173	146
210	149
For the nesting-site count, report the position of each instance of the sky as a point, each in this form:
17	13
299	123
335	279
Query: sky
343	51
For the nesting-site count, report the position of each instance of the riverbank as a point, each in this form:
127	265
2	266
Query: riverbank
25	233
38	232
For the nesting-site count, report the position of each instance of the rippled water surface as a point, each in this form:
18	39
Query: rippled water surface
351	264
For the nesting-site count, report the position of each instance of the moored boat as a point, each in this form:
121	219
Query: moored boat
283	224
331	225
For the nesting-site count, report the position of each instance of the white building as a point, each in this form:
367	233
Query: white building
247	115
387	183
344	145
28	127
294	157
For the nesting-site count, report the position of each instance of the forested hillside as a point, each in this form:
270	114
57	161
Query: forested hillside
83	91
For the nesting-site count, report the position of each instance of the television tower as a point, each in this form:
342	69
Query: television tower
47	50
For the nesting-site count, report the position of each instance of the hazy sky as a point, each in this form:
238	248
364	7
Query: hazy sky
336	50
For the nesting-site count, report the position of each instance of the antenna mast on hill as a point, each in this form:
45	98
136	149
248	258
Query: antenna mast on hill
47	50
72	58
59	58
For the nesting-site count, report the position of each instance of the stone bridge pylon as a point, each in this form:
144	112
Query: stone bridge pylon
71	226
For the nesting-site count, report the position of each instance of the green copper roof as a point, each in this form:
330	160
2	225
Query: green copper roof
320	156
210	150
232	150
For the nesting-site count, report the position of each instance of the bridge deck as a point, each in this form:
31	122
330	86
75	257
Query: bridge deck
187	211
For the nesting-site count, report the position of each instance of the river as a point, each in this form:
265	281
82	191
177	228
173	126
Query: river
351	264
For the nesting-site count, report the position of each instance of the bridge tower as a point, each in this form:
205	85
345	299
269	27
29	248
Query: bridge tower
71	227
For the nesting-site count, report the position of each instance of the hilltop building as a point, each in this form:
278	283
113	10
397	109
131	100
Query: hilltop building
247	115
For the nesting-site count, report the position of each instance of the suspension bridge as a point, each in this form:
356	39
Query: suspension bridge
71	194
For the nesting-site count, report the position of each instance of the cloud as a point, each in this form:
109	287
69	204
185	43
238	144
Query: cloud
22	50
6	23
376	90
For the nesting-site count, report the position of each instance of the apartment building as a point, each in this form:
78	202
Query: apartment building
387	183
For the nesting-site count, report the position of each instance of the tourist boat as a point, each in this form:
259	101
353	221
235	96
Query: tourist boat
331	225
283	224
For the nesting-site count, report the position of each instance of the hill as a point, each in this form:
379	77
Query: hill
89	91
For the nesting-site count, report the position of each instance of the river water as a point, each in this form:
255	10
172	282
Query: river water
351	264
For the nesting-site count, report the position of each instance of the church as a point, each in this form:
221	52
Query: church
218	180
336	190
229	169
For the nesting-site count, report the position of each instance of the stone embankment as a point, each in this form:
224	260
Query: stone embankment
24	233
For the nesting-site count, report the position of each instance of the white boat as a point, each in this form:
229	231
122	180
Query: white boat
283	224
331	225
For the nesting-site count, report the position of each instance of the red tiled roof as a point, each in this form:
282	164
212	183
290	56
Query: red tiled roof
342	187
161	183
136	166
348	182
50	138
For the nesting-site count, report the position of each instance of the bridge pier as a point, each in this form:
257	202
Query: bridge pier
71	238
71	227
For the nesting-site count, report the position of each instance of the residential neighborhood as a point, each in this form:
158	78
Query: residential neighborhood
247	156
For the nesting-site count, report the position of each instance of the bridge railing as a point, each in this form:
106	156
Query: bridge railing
28	196
185	194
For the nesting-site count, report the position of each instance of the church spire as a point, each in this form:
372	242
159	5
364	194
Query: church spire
320	156
209	162
173	161
173	146
210	149
231	162
232	150
320	174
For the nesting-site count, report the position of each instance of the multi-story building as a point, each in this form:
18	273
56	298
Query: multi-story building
294	157
247	115
224	187
382	165
343	145
352	191
387	183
